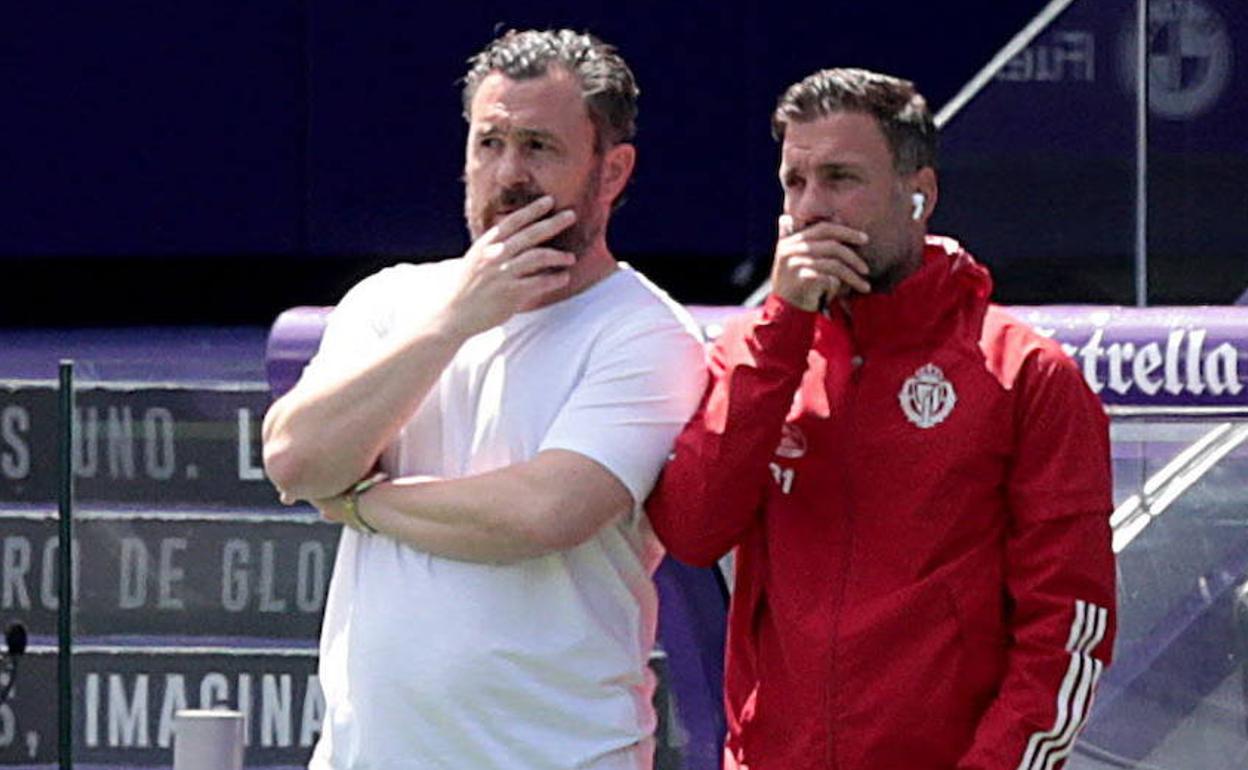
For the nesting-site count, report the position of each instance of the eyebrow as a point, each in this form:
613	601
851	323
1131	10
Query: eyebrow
826	168
820	169
523	134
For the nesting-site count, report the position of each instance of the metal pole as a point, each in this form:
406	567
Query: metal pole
1038	24
65	552
1141	154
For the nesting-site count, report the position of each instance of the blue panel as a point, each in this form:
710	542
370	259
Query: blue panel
151	128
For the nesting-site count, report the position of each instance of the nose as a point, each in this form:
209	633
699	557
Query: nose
809	206
512	169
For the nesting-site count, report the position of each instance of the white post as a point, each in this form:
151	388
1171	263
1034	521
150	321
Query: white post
207	740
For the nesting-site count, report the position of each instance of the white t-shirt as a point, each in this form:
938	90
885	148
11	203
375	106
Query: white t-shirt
429	662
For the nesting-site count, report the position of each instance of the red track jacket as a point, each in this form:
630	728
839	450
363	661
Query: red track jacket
919	498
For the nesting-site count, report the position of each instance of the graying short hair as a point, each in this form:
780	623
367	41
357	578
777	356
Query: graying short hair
607	84
899	109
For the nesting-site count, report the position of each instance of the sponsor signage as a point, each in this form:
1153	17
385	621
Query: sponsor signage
1085	64
1164	357
196	589
145	445
124	704
142	574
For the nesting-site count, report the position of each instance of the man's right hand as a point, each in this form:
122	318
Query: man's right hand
329	431
507	270
817	261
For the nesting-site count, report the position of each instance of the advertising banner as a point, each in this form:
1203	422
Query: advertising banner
146	574
140	444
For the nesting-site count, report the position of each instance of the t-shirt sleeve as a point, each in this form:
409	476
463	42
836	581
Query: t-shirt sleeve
358	325
642	381
353	331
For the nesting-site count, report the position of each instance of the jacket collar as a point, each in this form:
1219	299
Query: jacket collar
947	295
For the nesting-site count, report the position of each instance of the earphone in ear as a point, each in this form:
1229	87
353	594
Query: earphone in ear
920	201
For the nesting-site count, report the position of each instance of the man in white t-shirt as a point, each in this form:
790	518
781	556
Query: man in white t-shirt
491	604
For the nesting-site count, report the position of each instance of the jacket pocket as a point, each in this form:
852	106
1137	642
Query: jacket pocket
897	675
976	588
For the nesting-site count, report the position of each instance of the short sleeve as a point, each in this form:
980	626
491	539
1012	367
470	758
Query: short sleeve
642	382
359	324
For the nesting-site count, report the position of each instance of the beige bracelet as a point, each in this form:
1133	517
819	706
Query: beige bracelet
352	501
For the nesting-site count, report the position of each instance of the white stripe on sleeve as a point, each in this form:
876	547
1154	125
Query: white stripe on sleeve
1074	697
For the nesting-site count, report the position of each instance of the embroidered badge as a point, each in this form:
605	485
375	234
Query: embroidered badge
927	398
792	442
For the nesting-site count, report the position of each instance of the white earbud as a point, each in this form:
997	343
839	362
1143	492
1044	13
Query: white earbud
920	201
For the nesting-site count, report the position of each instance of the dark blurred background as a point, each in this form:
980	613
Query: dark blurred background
217	162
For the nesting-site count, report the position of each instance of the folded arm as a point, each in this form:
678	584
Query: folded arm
553	502
330	430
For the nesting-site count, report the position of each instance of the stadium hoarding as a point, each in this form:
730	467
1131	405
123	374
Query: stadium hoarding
195	586
1154	357
1054	176
1132	357
150	574
126	698
137	443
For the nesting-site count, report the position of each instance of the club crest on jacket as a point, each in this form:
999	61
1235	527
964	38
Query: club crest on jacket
927	397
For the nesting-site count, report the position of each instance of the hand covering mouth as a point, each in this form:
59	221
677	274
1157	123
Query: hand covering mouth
510	200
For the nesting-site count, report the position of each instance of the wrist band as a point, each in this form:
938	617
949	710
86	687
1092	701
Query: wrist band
352	500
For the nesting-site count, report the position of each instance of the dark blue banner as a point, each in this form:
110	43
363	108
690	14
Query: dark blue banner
137	444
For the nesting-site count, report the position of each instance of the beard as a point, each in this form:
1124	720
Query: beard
885	267
576	239
890	260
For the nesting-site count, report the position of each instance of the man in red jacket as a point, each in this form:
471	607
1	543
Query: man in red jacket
916	484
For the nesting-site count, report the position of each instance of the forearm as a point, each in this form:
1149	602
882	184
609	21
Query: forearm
1062	626
552	503
1059	570
327	433
330	430
711	488
471	519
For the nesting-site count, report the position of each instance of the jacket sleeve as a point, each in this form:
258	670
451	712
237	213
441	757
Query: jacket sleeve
710	491
1059	572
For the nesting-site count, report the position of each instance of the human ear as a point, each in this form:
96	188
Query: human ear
617	169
